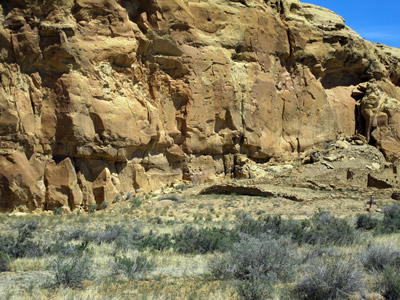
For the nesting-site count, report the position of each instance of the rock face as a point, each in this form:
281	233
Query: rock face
100	97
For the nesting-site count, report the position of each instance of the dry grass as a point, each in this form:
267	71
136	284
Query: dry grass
174	276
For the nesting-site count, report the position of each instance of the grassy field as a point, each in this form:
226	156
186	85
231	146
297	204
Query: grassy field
203	247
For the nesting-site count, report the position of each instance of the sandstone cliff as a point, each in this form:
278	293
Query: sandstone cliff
100	97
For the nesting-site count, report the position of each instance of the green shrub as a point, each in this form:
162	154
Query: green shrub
390	283
26	229
257	287
22	245
109	235
391	219
255	227
117	198
58	211
104	205
7	243
221	267
327	229
366	222
378	256
75	234
156	242
134	268
4	262
266	256
92	208
123	238
70	271
322	229
272	225
256	264
332	279
180	187
192	240
61	248
136	202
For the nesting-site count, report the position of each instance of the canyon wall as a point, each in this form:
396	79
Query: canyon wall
104	97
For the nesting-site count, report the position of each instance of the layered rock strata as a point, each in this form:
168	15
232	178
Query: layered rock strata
103	97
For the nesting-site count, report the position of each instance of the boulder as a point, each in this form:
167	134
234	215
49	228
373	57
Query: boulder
62	185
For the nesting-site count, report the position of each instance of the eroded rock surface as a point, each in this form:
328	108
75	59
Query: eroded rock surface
105	97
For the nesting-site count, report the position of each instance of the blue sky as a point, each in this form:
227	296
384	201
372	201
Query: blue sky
375	20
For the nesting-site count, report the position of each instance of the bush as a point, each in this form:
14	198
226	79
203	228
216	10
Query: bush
75	234
322	229
391	219
326	230
390	283
26	229
366	222
252	258
378	256
265	256
111	234
22	245
156	242
334	279
58	211
117	198
256	264
104	205
7	243
71	271
132	268
180	187
122	237
136	202
60	248
272	225
221	266
248	225
4	262
92	208
192	240
257	287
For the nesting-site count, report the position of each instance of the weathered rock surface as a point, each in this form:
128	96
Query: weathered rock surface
100	97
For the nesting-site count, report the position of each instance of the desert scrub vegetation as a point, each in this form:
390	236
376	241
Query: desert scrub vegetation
71	270
330	279
252	256
132	268
21	244
391	219
378	256
389	282
256	264
4	262
323	229
366	222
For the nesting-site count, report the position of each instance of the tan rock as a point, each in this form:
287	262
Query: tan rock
103	188
178	90
62	185
21	182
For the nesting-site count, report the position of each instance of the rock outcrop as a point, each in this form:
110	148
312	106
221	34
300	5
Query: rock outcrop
111	96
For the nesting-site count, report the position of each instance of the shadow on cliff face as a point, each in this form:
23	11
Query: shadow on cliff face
10	5
333	80
132	7
137	7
